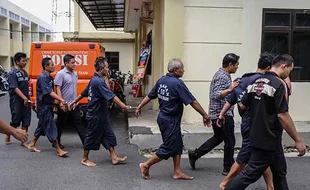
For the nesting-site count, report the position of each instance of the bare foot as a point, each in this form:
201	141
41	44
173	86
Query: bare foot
24	145
144	171
33	148
117	160
182	176
88	163
62	153
7	140
222	186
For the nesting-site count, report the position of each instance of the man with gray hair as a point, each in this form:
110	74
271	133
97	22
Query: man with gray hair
172	93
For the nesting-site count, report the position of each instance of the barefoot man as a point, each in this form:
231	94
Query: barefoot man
99	129
19	95
45	104
172	93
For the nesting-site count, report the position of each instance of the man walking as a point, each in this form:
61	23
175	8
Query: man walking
267	100
264	64
45	104
221	87
172	93
66	85
99	129
20	104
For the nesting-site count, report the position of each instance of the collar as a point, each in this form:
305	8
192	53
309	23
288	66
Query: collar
271	73
97	75
170	75
250	74
66	70
223	70
44	73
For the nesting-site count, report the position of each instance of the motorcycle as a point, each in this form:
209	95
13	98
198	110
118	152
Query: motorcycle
116	83
4	85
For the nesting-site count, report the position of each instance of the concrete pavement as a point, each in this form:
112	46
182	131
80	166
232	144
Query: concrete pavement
145	133
24	170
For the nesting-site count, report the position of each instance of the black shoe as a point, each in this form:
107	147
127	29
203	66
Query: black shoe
192	158
61	145
225	172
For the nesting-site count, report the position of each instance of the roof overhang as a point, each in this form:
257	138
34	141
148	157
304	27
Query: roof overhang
104	14
135	11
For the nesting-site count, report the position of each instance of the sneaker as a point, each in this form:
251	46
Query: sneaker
61	145
192	158
225	172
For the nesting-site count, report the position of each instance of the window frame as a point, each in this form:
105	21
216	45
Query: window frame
113	54
289	30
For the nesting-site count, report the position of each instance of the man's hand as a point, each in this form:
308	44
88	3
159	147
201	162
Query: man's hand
63	105
234	85
20	135
138	112
125	108
27	102
301	148
220	121
206	121
72	106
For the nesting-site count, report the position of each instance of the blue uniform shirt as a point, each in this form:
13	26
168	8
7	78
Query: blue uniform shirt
237	93
98	96
172	93
45	85
17	79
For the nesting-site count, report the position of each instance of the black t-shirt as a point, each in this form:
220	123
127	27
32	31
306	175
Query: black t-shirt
266	98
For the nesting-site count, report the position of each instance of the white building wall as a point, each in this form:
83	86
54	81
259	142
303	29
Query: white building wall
126	52
19	18
252	19
213	28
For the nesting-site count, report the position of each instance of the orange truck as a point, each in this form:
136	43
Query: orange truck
85	55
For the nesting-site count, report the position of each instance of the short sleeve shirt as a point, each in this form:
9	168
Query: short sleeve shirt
17	79
172	93
266	98
45	85
67	81
98	96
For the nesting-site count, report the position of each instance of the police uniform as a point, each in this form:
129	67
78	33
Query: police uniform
265	98
45	103
99	129
19	112
172	93
235	97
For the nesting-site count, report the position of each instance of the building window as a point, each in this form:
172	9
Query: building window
11	31
3	11
288	31
113	60
22	34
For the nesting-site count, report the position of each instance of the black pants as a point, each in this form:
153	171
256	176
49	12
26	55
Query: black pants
259	162
73	118
226	134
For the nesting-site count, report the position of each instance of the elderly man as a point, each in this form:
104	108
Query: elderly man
172	93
